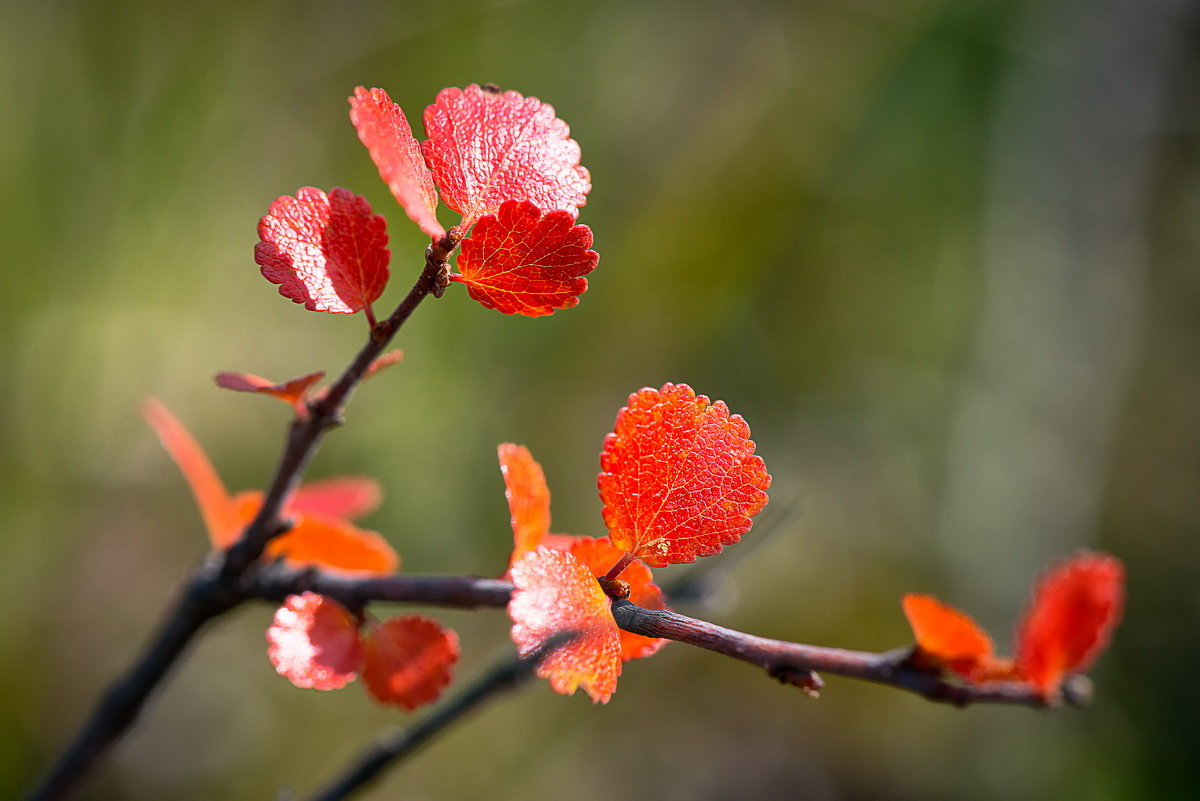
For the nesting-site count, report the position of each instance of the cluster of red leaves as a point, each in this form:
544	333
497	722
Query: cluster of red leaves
679	480
505	162
404	661
1069	621
314	641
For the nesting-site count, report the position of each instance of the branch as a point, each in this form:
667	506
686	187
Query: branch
505	676
792	663
217	588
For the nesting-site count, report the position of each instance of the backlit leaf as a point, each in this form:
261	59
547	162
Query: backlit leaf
946	636
488	146
313	642
521	261
1075	607
528	498
294	392
382	127
328	252
324	542
342	497
679	478
554	593
598	555
217	508
408	661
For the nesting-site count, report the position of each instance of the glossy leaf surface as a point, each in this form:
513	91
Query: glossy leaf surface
486	147
328	252
313	642
521	261
554	592
385	131
679	478
408	661
1075	607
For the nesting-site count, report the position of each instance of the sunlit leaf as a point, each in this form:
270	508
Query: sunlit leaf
313	642
217	508
528	498
328	252
1075	607
324	542
679	478
341	497
598	555
554	593
521	261
382	127
947	637
486	146
408	661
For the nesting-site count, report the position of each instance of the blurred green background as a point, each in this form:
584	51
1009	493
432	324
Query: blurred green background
941	255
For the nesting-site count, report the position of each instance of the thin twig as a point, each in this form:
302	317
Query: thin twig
506	675
218	587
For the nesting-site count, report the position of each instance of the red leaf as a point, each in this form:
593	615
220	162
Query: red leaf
327	252
217	508
408	661
948	638
486	147
1075	607
554	593
294	392
313	642
383	128
343	497
525	262
325	542
679	476
599	555
528	498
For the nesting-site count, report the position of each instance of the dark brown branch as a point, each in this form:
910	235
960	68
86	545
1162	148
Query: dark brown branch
793	663
505	676
218	587
279	581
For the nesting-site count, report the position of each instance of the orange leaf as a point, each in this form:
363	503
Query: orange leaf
679	476
216	507
343	497
554	593
947	637
528	498
1075	607
408	660
598	555
313	642
293	392
324	542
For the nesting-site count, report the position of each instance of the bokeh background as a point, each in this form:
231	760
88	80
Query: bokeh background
942	254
